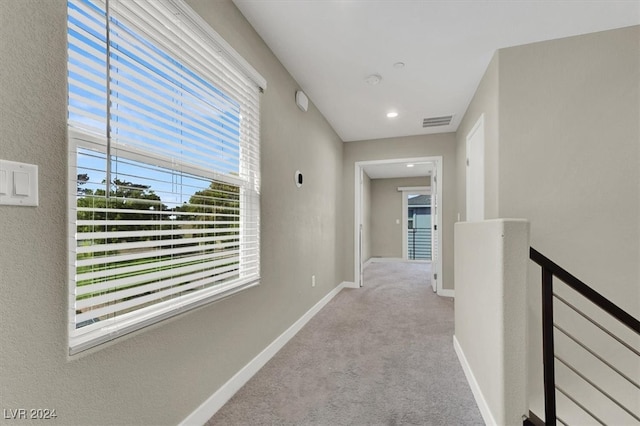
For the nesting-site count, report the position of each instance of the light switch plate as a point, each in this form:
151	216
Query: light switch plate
21	185
18	183
3	182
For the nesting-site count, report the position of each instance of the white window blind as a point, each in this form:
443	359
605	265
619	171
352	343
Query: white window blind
164	166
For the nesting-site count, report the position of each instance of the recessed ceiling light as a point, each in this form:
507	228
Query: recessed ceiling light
392	114
410	165
398	65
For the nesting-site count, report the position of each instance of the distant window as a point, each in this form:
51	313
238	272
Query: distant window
164	166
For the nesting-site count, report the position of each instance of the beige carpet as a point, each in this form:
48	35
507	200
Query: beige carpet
379	355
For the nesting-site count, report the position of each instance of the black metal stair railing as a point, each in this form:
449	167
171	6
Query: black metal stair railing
419	243
549	271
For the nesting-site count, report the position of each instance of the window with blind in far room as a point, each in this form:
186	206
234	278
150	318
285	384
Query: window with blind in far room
163	166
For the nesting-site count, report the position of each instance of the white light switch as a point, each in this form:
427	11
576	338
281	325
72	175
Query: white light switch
21	184
18	183
3	182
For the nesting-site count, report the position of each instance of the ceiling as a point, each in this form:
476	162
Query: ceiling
331	46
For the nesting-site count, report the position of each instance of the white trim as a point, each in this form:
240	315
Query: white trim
395	259
357	210
386	259
446	292
470	183
437	213
426	189
349	284
225	48
208	408
475	388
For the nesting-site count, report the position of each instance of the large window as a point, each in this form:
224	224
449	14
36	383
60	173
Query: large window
163	166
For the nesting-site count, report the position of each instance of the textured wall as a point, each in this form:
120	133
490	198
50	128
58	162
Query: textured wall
443	144
569	162
563	139
489	326
485	101
386	208
569	153
161	374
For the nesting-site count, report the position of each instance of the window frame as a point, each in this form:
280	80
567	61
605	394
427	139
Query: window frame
97	333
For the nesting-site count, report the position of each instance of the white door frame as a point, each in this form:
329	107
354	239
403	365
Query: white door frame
475	172
359	170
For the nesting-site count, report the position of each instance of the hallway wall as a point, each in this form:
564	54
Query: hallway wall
485	102
570	154
563	140
442	144
569	163
162	373
386	208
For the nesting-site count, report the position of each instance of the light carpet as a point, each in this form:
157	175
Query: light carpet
379	355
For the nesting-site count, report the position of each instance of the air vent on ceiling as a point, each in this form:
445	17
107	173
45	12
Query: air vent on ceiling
437	121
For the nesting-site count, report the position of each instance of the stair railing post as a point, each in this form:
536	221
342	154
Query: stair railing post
548	347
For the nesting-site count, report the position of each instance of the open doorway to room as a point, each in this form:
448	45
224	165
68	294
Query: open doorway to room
416	224
405	223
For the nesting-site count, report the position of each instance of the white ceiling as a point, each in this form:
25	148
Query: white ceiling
331	46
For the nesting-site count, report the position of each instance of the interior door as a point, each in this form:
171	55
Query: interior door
475	172
435	255
360	262
360	231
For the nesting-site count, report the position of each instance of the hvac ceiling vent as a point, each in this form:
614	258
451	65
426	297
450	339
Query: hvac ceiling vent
437	121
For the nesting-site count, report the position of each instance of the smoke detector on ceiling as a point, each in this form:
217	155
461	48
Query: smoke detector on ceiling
373	79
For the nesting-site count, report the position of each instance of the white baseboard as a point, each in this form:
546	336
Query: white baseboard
208	408
385	259
349	284
447	292
393	259
475	388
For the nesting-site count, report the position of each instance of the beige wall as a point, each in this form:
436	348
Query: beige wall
443	144
485	101
569	154
491	290
386	208
566	157
569	161
161	374
562	135
563	138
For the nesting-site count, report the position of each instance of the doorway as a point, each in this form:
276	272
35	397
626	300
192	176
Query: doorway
436	191
416	223
475	172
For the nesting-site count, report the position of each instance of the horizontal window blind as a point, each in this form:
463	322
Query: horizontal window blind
164	166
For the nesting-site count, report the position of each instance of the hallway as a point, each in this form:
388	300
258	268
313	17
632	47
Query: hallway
380	355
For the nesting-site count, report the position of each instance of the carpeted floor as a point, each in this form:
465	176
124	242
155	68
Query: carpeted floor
379	355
